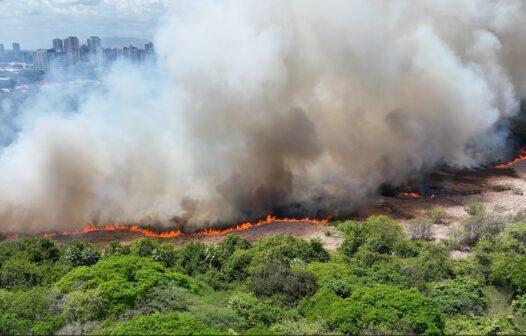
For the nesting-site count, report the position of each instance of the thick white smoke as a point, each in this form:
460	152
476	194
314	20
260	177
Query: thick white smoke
295	107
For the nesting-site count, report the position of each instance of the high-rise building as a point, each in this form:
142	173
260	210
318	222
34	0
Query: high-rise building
58	45
60	63
96	55
71	47
41	60
2	50
16	51
84	53
149	53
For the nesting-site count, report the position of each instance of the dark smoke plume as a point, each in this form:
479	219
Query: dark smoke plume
299	107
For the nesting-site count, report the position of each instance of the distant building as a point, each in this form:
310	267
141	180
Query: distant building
71	47
58	45
41	60
16	51
149	53
2	50
96	56
59	65
84	53
27	57
110	56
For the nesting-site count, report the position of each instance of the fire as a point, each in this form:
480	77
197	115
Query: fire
521	157
410	194
415	195
176	233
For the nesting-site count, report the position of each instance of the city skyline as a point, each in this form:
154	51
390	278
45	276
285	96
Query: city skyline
30	24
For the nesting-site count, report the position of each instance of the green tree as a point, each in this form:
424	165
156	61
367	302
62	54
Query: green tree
271	279
386	309
19	274
122	281
81	253
459	296
83	306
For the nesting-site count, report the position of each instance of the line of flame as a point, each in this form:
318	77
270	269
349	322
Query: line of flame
410	194
175	233
521	157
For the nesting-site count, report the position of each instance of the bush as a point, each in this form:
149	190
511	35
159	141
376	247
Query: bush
255	313
474	208
194	258
509	271
121	280
300	327
272	279
115	248
420	228
519	305
386	309
437	216
319	305
406	249
459	296
19	274
232	243
160	324
236	267
283	249
377	234
164	298
28	312
81	253
480	325
84	306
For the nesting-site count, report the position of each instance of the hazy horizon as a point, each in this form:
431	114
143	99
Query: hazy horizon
35	23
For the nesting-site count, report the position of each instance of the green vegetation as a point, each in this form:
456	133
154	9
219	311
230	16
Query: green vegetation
379	281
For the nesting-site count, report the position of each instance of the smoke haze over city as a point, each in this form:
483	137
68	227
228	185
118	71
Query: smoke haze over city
294	108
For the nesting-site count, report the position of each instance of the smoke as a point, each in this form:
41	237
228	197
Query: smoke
299	107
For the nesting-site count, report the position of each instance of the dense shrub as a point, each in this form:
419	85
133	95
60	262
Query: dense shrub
509	271
459	296
28	312
386	309
81	253
319	305
255	313
230	244
160	324
284	249
19	274
122	281
480	325
195	258
83	306
377	234
115	248
271	279
519	305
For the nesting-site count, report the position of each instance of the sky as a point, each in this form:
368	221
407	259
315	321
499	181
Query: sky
34	23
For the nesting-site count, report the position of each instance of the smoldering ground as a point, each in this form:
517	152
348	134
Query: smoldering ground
256	108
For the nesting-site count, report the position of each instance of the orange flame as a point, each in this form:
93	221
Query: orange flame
521	157
410	194
178	233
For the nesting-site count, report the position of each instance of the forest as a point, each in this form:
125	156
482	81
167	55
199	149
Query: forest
379	281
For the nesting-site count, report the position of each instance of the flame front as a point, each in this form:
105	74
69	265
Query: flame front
410	194
178	233
521	157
